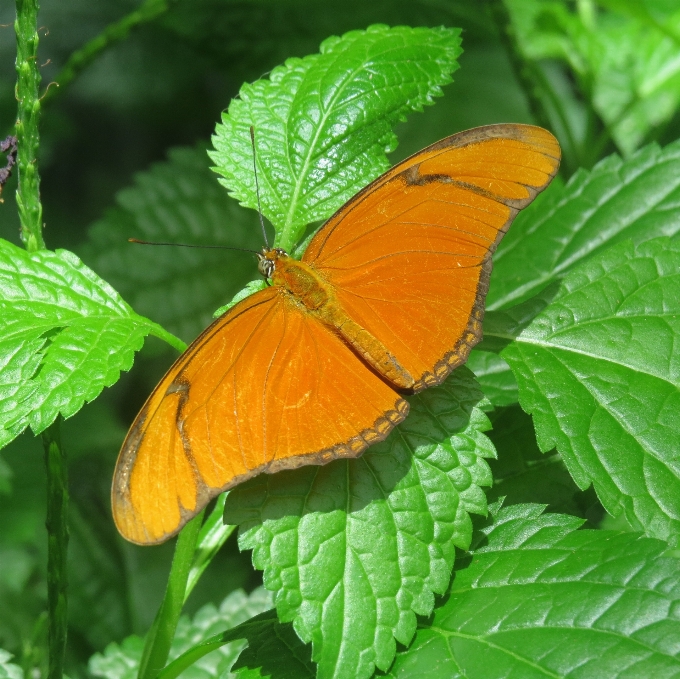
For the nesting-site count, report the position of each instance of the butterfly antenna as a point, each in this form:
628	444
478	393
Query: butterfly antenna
257	187
188	245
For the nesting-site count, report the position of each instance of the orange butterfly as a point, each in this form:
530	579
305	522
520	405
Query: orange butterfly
388	299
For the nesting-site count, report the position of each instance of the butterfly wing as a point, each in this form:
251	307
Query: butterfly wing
257	391
410	255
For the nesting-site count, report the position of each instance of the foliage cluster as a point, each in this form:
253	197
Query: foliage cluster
525	519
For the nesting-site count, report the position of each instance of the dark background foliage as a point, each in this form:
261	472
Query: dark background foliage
163	87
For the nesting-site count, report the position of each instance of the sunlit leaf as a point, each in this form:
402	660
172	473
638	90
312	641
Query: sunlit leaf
356	548
598	370
538	598
66	334
324	123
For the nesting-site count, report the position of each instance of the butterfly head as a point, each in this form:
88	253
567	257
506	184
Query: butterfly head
266	260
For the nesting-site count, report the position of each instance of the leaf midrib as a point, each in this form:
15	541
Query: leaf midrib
532	341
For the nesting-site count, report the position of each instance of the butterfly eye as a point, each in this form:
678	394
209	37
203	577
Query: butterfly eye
265	267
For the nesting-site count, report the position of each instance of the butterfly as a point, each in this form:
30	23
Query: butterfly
387	300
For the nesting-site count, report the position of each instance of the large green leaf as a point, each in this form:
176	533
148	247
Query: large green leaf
324	123
598	370
538	598
66	334
121	661
355	549
178	201
638	198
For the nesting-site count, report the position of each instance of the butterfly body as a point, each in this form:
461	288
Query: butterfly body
387	298
305	286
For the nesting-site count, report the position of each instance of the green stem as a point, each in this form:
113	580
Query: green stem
162	632
112	34
30	217
57	546
243	631
211	538
160	332
28	83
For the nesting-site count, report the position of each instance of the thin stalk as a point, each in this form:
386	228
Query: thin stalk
211	538
162	632
57	547
28	138
30	217
112	34
160	332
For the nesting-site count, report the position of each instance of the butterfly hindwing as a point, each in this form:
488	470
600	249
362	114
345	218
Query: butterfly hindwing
257	392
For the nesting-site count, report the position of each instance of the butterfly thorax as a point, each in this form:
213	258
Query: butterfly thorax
297	278
306	286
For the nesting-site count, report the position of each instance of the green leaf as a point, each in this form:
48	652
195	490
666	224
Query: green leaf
539	598
177	201
627	65
523	474
356	548
119	661
7	669
122	661
66	334
494	377
598	370
323	124
638	198
250	288
274	650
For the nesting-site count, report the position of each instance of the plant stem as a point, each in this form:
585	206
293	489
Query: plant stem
112	34
28	82
57	546
30	217
162	632
162	334
211	538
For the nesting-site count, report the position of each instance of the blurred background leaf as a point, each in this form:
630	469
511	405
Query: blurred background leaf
177	201
121	661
